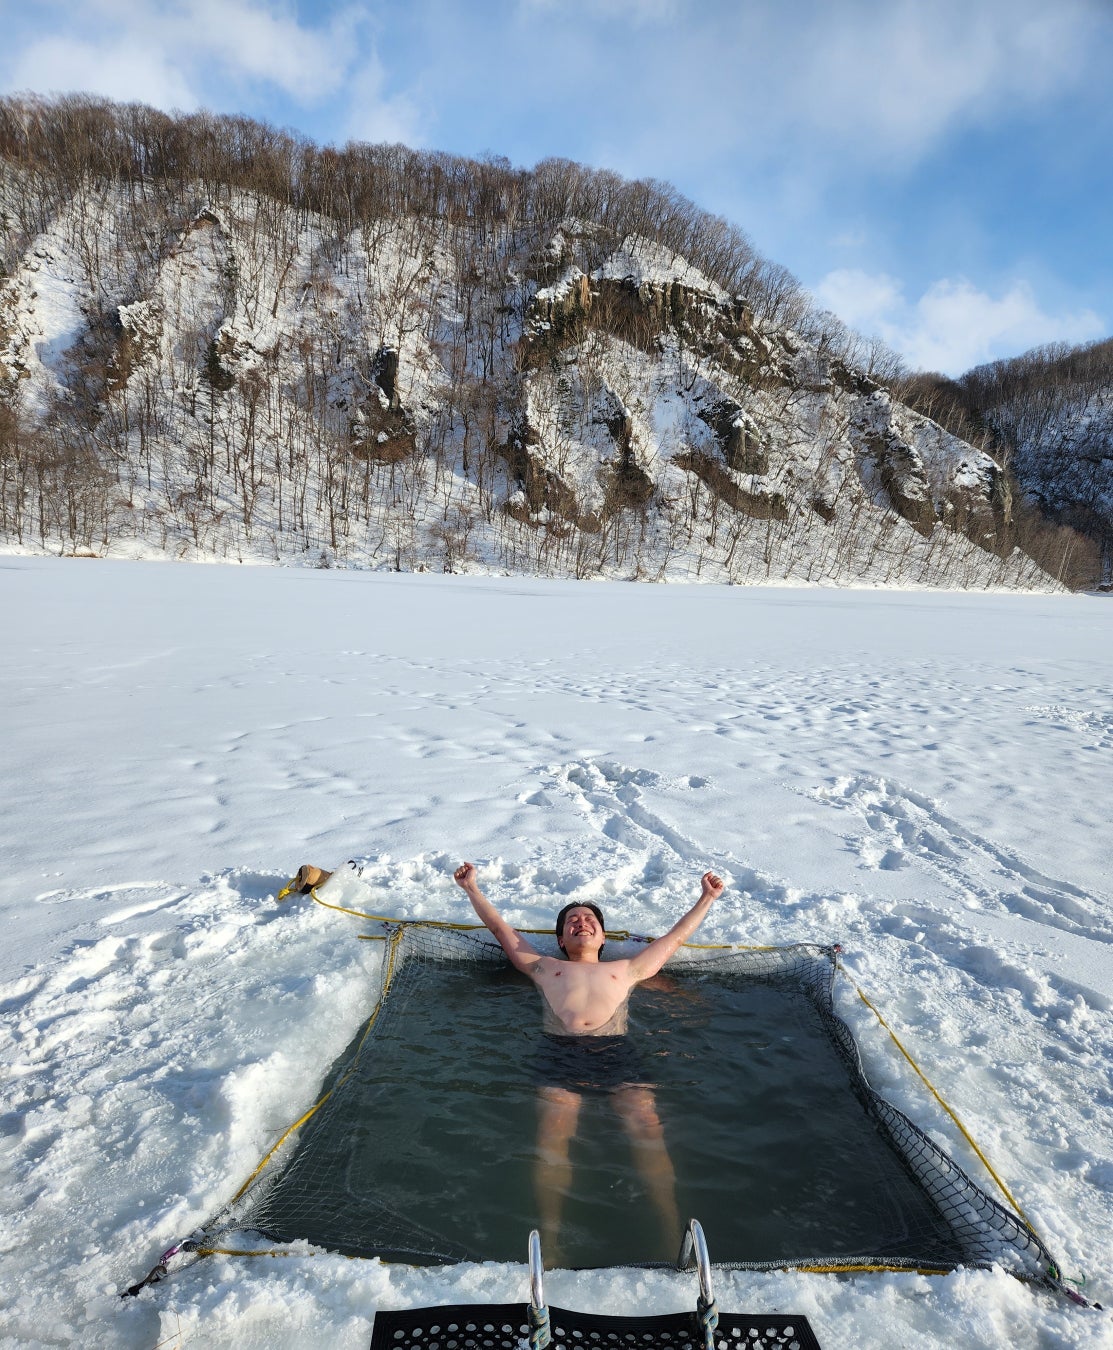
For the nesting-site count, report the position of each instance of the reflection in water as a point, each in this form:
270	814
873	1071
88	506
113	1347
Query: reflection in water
429	1148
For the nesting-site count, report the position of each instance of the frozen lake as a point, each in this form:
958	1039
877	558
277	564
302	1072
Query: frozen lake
923	777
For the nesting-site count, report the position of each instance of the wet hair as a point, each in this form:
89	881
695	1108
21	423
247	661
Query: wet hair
578	904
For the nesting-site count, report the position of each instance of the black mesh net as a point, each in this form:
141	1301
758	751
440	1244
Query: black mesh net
424	1145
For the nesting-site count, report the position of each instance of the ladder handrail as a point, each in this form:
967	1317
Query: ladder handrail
536	1272
695	1245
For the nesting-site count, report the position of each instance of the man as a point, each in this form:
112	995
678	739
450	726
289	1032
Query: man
584	1016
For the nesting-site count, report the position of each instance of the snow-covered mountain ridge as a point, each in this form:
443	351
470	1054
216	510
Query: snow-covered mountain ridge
498	380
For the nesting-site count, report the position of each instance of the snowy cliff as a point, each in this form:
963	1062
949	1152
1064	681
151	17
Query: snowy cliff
191	368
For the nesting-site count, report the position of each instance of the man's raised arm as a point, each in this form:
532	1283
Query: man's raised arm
523	956
650	961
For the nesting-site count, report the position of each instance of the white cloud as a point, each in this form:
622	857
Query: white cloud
375	116
821	88
812	87
893	78
255	42
861	299
179	53
636	12
953	325
127	70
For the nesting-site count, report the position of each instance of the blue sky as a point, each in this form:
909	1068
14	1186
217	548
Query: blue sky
936	172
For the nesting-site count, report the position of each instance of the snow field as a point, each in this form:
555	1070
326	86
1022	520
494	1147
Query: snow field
922	777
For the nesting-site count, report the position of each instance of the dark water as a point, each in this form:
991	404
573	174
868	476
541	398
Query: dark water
427	1150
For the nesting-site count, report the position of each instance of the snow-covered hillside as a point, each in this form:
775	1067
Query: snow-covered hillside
923	777
1049	414
195	368
1064	457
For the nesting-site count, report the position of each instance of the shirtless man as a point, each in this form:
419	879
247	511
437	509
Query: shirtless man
584	1012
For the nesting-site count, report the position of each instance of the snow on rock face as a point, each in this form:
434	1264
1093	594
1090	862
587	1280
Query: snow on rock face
649	266
43	313
790	434
416	393
194	294
929	475
737	433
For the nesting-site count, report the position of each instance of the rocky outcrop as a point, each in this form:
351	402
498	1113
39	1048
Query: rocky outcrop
540	496
978	502
380	428
638	303
738	438
754	392
901	473
757	500
930	477
627	482
558	317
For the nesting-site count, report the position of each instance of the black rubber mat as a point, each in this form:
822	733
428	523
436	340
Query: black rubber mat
503	1326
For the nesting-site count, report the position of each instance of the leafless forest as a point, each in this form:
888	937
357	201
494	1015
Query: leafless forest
220	340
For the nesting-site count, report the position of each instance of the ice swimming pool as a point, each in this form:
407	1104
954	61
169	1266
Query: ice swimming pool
428	1152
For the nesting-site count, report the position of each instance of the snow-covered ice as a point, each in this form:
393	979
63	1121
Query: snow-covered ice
924	777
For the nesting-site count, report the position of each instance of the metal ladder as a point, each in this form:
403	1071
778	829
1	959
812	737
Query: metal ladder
511	1326
692	1249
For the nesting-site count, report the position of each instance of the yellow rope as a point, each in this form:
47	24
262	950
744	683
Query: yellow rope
620	935
251	1251
962	1128
399	925
272	1251
548	932
613	935
616	935
851	1267
355	913
275	1147
836	1268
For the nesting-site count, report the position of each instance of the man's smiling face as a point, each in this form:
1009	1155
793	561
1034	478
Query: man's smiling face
582	930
